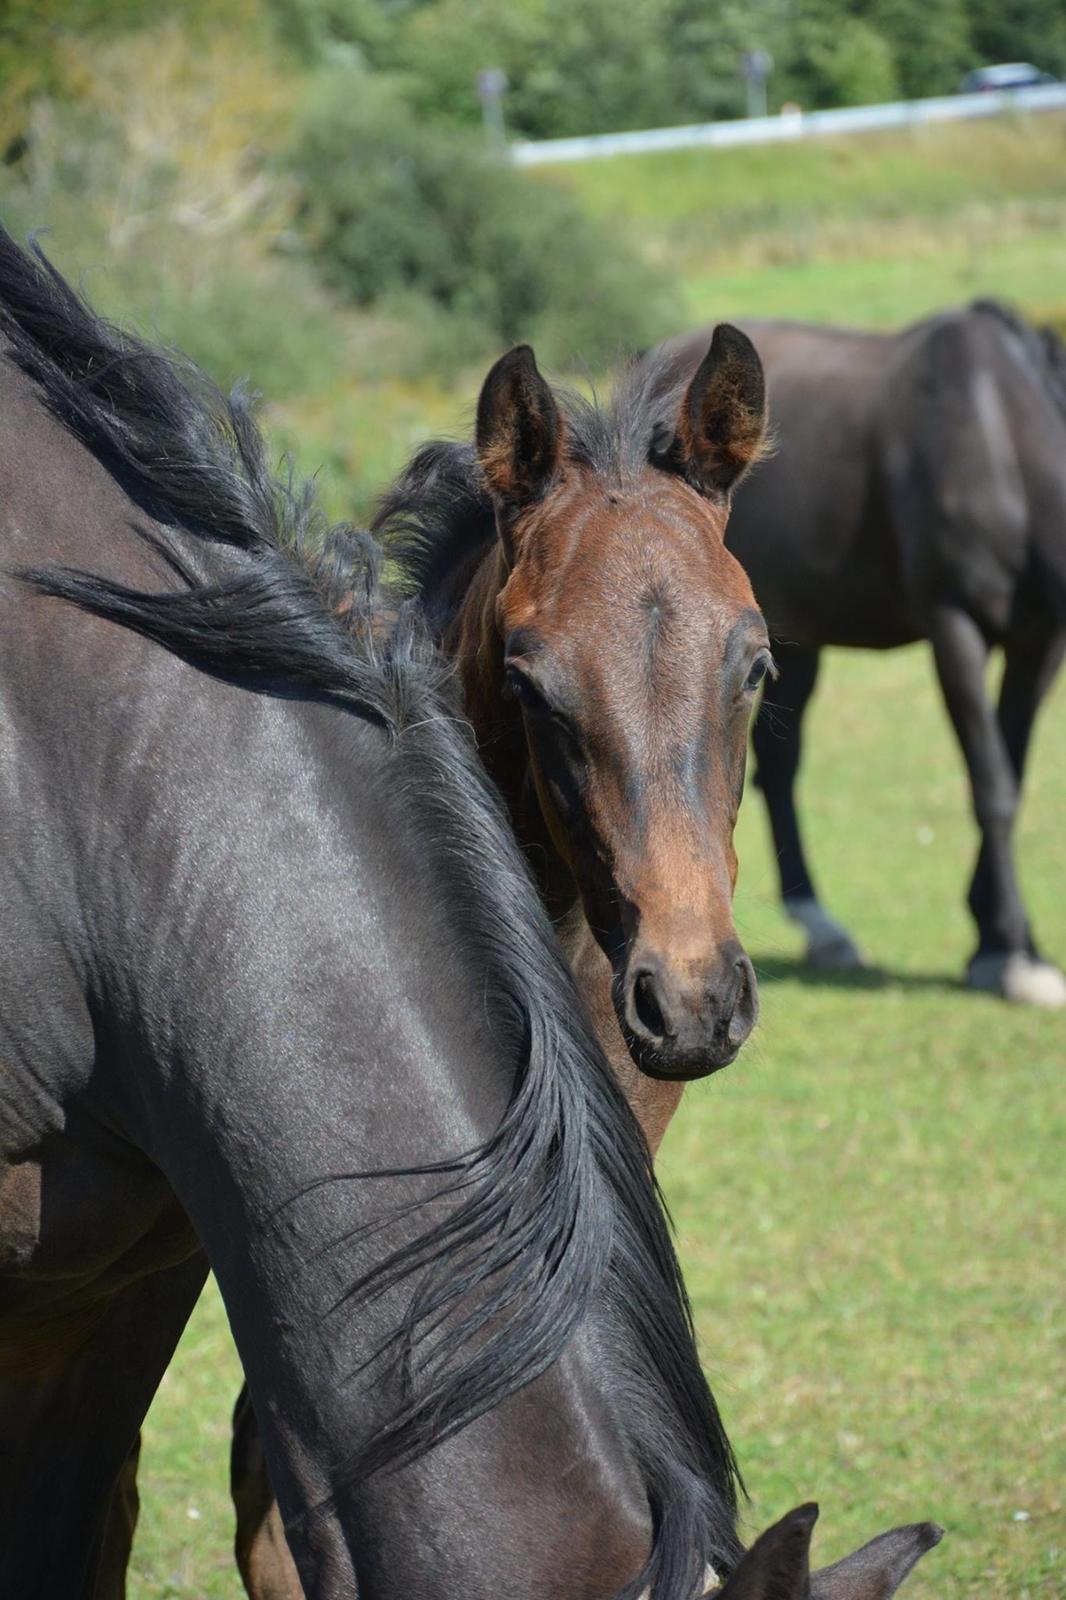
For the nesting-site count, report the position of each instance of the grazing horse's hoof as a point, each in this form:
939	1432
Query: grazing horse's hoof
830	946
1019	977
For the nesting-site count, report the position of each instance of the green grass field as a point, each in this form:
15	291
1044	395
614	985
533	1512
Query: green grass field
875	229
870	1204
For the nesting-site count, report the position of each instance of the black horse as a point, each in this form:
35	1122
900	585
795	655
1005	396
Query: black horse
918	491
277	995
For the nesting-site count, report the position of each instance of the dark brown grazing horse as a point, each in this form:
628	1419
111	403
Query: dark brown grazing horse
277	993
777	1567
917	491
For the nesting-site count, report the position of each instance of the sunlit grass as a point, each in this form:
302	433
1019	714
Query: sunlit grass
871	1208
716	196
897	280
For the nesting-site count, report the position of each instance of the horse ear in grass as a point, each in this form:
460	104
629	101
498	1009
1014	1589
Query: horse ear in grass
777	1565
519	433
876	1571
722	422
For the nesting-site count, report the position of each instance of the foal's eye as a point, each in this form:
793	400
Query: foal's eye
759	668
525	692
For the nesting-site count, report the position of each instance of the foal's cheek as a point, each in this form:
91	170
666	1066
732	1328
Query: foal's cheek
732	864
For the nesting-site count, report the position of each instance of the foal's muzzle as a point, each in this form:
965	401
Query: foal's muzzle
685	1023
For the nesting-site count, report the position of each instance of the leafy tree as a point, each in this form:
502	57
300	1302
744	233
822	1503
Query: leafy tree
573	65
707	44
1019	30
854	65
930	40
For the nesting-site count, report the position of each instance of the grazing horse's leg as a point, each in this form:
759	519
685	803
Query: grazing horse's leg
993	748
71	1403
266	1565
1027	676
776	739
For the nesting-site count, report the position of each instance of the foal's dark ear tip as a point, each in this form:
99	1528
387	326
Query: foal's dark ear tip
727	336
519	355
518	362
804	1516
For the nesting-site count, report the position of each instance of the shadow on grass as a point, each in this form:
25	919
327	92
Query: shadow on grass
793	969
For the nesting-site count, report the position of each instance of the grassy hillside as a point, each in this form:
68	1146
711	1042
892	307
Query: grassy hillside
869	1204
873	229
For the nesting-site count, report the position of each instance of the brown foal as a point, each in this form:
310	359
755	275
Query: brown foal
609	650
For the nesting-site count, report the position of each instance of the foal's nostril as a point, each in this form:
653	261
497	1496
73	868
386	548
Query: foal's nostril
647	1005
745	1003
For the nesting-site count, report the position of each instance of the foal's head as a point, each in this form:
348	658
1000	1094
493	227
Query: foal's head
634	647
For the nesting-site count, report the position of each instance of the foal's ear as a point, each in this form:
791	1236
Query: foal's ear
722	421
519	430
777	1565
876	1571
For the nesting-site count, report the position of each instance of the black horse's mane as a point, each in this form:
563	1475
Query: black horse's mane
558	1210
438	515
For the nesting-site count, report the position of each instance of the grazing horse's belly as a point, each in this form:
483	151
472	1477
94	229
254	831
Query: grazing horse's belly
830	577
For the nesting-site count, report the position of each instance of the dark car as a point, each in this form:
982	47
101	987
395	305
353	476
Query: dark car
1008	75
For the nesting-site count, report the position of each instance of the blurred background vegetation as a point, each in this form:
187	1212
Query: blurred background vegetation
301	191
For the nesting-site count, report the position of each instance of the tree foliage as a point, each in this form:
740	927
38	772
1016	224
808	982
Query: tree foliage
1019	30
586	66
393	206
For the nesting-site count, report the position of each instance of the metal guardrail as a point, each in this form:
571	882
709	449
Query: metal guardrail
791	125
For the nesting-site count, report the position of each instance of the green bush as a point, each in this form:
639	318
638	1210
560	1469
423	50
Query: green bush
391	207
574	66
845	62
930	41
